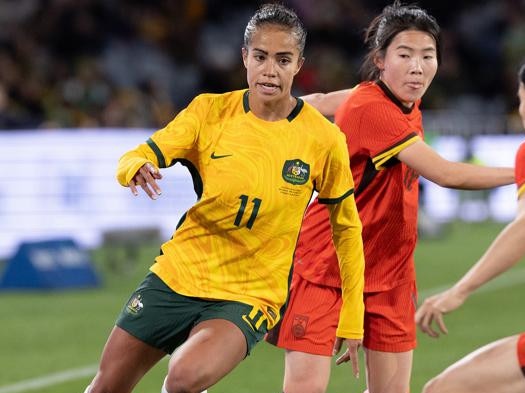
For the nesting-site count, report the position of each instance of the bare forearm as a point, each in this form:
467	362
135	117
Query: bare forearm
327	103
424	160
474	177
506	250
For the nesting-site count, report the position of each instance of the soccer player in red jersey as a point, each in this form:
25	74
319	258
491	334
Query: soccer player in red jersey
498	366
383	125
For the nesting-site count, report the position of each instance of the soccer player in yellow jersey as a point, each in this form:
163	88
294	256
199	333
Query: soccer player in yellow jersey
256	157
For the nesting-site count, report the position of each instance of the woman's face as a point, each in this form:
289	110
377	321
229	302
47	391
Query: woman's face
409	65
271	60
521	96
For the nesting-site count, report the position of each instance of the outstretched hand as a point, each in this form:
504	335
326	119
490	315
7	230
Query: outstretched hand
433	309
352	346
146	177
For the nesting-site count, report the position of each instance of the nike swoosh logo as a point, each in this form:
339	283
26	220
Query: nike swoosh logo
214	157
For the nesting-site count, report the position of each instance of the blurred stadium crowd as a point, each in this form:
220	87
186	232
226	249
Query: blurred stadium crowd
135	63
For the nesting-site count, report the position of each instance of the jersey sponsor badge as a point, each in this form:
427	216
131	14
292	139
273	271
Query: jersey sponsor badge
296	171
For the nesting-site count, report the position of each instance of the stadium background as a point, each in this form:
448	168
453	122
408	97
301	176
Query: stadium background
81	81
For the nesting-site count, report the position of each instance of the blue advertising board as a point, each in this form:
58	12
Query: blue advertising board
51	264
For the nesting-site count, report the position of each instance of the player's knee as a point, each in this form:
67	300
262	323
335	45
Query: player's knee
180	380
310	386
433	385
101	385
98	388
176	384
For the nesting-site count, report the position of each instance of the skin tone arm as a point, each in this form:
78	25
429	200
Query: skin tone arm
327	103
429	164
504	252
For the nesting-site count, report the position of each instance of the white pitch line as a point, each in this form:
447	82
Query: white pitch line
50	379
514	277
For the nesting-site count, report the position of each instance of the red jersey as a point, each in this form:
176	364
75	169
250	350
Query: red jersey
377	128
519	170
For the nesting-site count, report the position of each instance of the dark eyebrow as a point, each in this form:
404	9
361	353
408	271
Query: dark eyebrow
260	50
278	53
427	49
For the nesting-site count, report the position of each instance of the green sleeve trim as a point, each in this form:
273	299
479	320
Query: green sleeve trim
158	153
333	201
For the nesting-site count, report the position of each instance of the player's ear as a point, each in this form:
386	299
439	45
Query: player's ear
300	63
379	62
244	53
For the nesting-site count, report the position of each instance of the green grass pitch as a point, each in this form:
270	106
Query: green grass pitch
45	333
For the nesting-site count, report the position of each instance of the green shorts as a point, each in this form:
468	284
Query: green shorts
163	318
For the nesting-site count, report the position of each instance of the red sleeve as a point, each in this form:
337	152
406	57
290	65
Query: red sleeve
519	170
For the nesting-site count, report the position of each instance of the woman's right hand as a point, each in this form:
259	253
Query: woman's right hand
146	177
433	309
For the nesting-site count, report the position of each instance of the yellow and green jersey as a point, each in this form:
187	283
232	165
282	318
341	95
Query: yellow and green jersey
254	180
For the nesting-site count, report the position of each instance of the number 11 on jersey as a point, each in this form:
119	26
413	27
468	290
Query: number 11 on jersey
244	202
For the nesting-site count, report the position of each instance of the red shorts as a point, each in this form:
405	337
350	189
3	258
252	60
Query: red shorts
389	319
310	321
521	352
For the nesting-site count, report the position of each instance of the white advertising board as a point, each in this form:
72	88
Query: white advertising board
62	183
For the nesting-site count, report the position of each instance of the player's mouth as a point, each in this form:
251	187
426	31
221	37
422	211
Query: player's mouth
415	85
268	88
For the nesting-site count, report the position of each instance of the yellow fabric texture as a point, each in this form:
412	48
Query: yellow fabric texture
237	242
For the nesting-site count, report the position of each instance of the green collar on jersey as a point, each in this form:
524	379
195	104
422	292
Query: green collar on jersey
293	114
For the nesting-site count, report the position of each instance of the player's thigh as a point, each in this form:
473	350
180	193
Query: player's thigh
388	372
124	362
213	349
224	335
492	368
306	373
148	327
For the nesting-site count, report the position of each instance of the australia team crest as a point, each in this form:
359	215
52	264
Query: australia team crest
135	305
296	172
